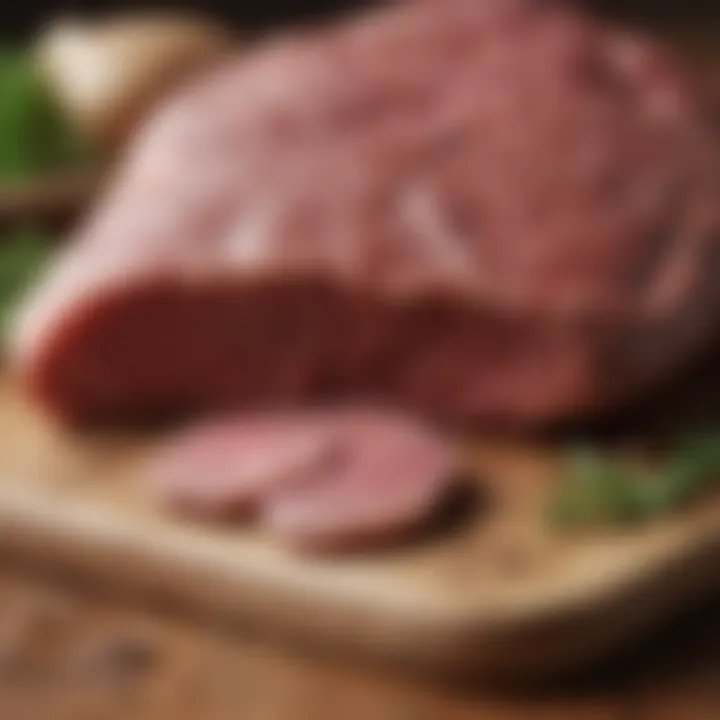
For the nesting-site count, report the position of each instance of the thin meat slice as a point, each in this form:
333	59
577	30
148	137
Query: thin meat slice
388	478
317	480
221	469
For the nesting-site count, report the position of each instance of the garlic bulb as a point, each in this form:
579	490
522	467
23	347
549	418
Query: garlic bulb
107	73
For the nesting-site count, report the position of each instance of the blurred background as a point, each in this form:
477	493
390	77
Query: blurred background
26	16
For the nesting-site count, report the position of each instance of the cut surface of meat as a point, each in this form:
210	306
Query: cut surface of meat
487	212
327	481
386	481
221	469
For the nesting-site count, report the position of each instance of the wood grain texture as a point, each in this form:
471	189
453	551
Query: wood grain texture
60	645
498	594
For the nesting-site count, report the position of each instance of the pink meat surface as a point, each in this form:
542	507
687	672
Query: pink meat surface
318	481
483	211
221	469
386	481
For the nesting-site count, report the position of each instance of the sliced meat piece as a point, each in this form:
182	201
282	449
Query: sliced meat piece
327	481
220	470
390	475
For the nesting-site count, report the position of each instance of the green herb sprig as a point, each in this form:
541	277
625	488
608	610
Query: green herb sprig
36	139
599	488
23	253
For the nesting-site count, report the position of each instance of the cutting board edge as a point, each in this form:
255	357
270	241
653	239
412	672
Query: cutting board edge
553	640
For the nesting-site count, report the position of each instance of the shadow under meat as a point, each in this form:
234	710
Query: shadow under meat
687	402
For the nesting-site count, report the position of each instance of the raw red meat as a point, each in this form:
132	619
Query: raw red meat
389	477
222	469
328	480
486	211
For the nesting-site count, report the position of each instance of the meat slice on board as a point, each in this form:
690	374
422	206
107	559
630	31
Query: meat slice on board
221	469
389	477
318	481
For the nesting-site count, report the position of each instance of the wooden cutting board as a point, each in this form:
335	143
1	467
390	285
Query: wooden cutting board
497	592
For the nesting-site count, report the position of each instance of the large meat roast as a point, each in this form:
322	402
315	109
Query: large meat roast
498	211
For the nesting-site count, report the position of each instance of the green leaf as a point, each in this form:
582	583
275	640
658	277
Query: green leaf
694	462
35	137
594	488
23	254
599	489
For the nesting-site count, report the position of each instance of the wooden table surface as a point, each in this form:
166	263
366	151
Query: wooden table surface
70	654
